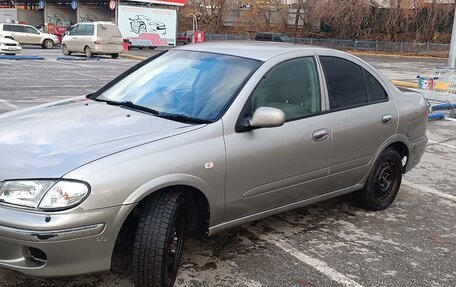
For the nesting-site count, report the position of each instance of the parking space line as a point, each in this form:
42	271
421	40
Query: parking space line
429	190
317	264
8	104
442	144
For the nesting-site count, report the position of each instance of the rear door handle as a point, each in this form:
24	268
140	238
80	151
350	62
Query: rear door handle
320	135
387	119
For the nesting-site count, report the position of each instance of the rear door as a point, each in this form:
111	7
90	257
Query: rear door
84	37
362	117
109	36
18	33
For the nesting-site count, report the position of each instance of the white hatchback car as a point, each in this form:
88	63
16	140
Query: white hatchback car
9	47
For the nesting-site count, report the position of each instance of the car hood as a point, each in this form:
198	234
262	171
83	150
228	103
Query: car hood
52	140
8	41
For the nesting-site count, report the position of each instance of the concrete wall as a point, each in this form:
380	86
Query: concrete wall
90	13
8	14
56	14
31	17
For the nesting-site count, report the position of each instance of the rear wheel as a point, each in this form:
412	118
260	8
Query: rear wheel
159	240
48	44
65	50
88	52
114	56
383	183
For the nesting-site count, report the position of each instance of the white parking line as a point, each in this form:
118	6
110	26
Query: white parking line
450	119
319	265
420	189
442	144
8	104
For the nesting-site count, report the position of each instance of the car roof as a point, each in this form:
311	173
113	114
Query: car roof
257	50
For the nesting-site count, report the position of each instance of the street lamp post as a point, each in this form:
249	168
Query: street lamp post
452	56
195	21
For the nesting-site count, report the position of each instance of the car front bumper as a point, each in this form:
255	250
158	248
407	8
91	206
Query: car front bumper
68	243
10	49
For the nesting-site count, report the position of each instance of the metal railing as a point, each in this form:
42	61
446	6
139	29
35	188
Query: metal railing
376	46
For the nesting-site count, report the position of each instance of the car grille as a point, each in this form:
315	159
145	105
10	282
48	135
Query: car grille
12	45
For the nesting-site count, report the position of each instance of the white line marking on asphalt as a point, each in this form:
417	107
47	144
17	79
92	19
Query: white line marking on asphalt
429	190
6	103
450	119
319	265
443	144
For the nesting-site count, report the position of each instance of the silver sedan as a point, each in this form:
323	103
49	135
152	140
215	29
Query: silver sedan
193	141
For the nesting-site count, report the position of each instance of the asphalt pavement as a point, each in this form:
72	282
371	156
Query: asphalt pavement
333	243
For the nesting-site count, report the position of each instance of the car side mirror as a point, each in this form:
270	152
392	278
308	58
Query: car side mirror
266	117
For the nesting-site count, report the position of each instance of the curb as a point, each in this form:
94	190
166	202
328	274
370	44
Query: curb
404	84
133	57
396	55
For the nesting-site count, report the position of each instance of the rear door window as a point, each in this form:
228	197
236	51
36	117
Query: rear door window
345	82
89	30
375	90
17	28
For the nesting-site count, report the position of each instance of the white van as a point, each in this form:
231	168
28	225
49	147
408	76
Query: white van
101	38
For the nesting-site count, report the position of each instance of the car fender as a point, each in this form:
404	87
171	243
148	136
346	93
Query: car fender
393	139
166	181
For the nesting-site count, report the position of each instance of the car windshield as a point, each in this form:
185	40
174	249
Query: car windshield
189	84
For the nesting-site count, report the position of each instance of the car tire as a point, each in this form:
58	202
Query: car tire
114	56
159	240
48	44
65	50
88	52
383	182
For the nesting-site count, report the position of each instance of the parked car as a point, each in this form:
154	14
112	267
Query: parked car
9	47
27	35
193	141
184	38
272	37
141	23
96	38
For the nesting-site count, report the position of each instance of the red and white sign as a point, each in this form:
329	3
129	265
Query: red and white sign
112	4
165	2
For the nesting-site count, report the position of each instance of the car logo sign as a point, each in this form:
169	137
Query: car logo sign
112	4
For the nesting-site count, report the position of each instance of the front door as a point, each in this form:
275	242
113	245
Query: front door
32	35
270	167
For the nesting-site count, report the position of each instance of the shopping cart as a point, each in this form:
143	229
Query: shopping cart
439	89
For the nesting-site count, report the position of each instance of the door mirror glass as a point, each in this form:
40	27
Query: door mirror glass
265	117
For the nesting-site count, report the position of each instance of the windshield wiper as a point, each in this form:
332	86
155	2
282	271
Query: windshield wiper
129	104
184	118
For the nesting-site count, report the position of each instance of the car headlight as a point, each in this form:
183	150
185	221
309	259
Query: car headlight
44	195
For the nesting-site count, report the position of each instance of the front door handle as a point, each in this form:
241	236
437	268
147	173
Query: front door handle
387	119
320	135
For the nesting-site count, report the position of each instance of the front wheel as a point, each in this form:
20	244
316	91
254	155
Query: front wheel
48	44
65	50
159	240
88	52
383	183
